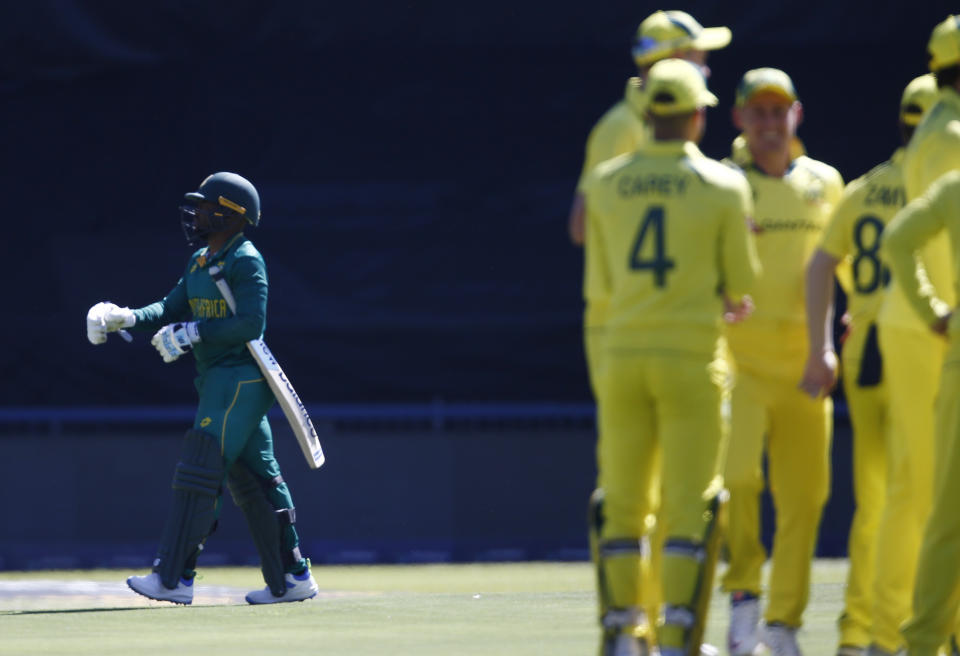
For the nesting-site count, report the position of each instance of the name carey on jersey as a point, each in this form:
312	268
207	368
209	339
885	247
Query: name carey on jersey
652	183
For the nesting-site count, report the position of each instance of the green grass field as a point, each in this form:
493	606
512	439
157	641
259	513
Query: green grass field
516	609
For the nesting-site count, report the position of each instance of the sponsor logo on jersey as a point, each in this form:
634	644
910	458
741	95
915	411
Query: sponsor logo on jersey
206	421
795	225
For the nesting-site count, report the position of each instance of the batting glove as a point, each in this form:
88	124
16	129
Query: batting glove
175	339
105	318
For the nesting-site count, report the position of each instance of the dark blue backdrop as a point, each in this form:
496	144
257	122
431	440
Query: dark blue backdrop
415	160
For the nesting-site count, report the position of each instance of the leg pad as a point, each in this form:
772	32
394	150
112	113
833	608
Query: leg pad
686	622
196	489
266	524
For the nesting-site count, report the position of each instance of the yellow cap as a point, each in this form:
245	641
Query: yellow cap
944	44
771	80
675	86
918	97
665	32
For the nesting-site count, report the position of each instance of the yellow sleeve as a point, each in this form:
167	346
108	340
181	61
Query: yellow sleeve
835	188
912	227
614	134
938	158
836	240
740	264
835	194
596	275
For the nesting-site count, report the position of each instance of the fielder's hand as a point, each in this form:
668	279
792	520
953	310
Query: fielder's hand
175	339
577	221
941	325
735	312
820	374
105	318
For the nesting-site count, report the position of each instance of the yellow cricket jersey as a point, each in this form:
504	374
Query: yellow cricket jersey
620	130
853	234
933	150
790	215
934	214
667	231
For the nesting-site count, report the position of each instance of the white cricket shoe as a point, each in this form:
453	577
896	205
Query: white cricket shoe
743	637
781	639
705	650
299	587
851	650
625	644
152	587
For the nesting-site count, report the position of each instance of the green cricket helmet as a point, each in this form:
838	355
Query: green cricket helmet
232	194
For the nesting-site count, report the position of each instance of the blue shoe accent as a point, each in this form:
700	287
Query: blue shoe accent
186	582
741	596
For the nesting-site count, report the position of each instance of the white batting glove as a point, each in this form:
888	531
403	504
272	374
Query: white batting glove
117	318
175	339
105	318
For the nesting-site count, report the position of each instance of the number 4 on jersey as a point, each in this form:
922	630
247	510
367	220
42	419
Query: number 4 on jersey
652	222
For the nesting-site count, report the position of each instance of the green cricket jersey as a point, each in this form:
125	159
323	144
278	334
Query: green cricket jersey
223	336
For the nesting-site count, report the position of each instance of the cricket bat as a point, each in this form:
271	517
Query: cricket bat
293	408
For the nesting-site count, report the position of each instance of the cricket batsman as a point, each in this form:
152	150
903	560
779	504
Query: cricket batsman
853	238
924	259
230	438
623	129
667	239
794	197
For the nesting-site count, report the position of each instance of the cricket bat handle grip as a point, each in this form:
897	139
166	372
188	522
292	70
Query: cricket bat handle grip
218	279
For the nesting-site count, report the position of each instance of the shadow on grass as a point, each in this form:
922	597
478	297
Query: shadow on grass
54	611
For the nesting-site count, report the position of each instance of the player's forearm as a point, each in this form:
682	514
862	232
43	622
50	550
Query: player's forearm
819	301
172	308
227	332
150	317
576	222
741	265
910	229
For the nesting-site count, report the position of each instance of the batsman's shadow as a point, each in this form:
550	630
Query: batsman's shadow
54	611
